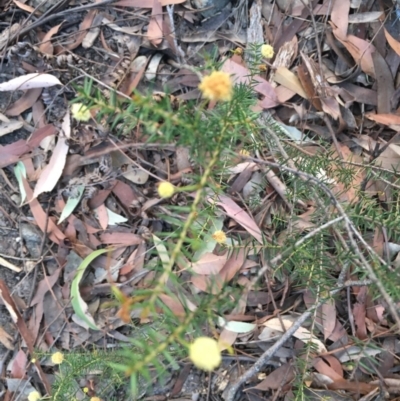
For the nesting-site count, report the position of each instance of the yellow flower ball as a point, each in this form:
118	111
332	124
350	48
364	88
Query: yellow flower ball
57	358
267	51
217	86
244	152
80	112
85	390
219	236
95	399
166	189
205	354
34	396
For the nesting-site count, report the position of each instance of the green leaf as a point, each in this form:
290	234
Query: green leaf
114	218
78	304
134	387
236	327
20	171
162	251
71	204
208	244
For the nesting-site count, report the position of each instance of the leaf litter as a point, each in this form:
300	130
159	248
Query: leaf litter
334	74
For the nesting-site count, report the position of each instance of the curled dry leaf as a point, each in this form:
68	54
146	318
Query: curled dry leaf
30	81
235	212
52	172
301	333
10	126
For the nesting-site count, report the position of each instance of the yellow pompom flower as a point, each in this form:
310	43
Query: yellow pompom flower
166	189
57	358
267	51
34	396
95	399
244	152
80	112
217	86
205	354
219	236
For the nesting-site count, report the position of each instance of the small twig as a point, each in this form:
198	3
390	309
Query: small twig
297	244
350	313
275	307
333	135
270	352
353	233
357	283
42	21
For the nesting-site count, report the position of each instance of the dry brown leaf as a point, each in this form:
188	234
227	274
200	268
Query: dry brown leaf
23	330
46	46
334	363
322	367
283	94
102	216
361	50
301	333
52	172
134	3
25	102
327	316
211	284
241	75
27	8
233	265
285	57
83	27
18	365
228	337
307	83
393	43
173	304
171	2
359	313
356	387
6	339
235	212
386	119
340	17
349	195
278	378
124	193
155	28
11	153
45	285
290	81
40	216
118	238
384	82
39	114
209	264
